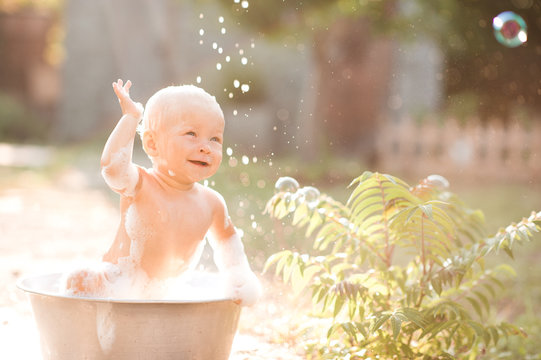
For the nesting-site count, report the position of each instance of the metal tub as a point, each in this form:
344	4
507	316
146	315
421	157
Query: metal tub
89	328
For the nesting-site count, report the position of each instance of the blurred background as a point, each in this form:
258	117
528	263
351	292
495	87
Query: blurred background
318	90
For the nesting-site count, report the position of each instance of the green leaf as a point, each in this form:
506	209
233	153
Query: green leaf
278	257
427	210
483	299
380	320
301	280
494	334
396	324
338	304
415	316
475	305
436	284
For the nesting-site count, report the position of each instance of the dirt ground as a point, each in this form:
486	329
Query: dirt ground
48	227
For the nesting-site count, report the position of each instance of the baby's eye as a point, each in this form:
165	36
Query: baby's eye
190	133
215	138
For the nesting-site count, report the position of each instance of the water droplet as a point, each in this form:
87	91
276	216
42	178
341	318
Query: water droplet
236	83
245	88
286	184
245	160
229	151
223	31
254	159
244	61
245	4
228	58
201	32
231	95
214	45
221	19
510	29
235	112
201	15
310	196
198	79
233	162
218	66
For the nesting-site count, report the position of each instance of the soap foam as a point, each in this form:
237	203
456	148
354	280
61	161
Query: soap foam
127	180
240	283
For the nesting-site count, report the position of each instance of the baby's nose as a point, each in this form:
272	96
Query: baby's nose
204	148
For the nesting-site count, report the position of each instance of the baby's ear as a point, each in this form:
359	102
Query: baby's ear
149	143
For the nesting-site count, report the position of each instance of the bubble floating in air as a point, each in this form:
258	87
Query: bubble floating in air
438	182
310	195
510	29
286	184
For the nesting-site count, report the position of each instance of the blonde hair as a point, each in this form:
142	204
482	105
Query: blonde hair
175	100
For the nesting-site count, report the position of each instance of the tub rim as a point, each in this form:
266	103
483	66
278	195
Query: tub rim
26	288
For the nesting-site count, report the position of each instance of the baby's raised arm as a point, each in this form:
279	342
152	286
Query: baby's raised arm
241	283
116	161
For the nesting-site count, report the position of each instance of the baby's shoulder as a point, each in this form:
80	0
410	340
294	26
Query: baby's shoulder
214	198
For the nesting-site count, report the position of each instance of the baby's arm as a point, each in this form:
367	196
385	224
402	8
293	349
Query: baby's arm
116	161
241	283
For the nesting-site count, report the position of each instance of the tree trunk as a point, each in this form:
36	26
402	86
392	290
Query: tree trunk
354	68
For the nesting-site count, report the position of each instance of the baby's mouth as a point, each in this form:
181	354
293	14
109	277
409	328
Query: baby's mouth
199	162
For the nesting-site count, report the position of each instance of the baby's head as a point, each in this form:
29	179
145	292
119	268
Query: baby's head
173	103
183	125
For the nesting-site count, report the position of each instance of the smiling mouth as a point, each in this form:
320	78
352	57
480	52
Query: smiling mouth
199	163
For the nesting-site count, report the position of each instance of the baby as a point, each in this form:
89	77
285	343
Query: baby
165	212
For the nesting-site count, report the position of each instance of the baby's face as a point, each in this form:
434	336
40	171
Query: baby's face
191	146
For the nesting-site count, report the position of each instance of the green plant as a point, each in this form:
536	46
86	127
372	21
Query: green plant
399	271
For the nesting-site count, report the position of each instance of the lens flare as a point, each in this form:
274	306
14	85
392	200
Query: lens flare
510	29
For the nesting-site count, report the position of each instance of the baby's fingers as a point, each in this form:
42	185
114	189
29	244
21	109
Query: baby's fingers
127	86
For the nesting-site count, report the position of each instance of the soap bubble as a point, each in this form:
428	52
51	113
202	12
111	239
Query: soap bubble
286	184
510	29
437	181
310	195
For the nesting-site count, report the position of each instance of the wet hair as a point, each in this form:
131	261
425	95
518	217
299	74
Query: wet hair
175	101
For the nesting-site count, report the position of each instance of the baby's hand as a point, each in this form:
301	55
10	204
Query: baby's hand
128	106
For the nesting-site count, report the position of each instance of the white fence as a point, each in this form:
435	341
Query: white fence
473	152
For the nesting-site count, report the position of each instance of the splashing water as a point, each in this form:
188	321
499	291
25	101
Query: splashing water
510	29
